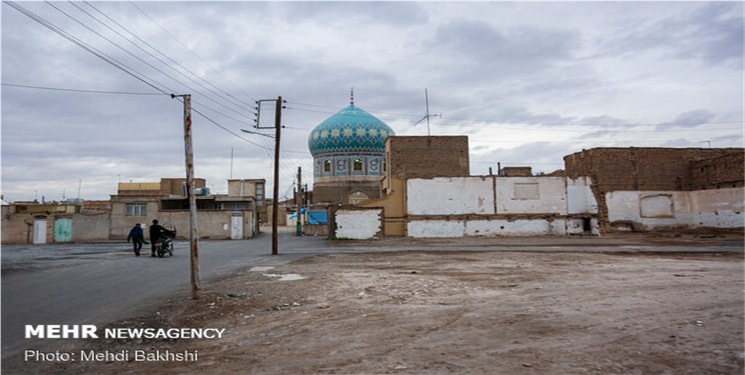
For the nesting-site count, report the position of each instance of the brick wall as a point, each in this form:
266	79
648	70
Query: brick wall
635	169
718	172
517	172
339	191
427	157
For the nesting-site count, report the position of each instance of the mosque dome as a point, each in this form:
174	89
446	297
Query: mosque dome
351	130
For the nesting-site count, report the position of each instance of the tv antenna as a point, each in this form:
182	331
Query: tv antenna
427	116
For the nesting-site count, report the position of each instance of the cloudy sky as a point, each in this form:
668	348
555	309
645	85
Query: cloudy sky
528	82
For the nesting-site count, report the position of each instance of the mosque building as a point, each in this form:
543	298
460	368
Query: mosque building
348	151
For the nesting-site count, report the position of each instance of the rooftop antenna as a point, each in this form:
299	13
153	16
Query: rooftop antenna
427	116
351	100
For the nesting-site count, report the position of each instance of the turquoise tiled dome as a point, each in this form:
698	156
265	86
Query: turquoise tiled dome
350	130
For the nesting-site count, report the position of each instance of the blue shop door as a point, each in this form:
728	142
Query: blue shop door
63	230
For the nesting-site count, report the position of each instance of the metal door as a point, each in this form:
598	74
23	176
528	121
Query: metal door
236	227
40	230
63	230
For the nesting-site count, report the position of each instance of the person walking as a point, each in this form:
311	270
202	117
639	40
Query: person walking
138	237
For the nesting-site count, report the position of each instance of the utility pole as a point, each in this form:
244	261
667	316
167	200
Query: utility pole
275	206
277	131
192	191
299	201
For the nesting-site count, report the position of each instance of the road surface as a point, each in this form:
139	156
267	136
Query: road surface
91	285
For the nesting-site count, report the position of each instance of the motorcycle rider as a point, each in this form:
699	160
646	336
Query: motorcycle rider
156	231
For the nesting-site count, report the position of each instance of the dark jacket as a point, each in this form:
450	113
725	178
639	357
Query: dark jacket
156	231
136	234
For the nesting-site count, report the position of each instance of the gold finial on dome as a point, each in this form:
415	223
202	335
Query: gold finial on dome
352	97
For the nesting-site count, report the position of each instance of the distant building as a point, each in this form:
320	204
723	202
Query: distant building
231	216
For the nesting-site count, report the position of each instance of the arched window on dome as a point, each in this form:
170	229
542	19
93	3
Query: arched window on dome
327	166
358	165
358	197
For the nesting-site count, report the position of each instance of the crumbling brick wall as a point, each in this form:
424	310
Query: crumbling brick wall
718	172
633	169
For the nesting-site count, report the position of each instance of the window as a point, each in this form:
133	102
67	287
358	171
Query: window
358	165
136	209
259	194
327	166
526	191
358	197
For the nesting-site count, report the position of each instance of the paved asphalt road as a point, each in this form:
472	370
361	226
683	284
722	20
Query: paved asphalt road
86	284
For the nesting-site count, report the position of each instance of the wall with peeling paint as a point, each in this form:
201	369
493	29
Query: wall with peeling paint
580	199
436	228
450	196
646	210
546	195
358	224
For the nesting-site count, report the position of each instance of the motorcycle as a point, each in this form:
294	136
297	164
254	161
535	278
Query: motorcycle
164	244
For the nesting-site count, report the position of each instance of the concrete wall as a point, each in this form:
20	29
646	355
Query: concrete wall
435	228
478	227
212	224
647	210
90	227
516	195
358	224
17	227
524	227
580	199
450	196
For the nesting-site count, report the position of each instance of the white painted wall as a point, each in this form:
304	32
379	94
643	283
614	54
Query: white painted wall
435	228
580	199
552	196
720	208
358	224
525	227
450	196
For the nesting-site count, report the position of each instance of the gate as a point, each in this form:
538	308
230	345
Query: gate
63	230
40	230
236	227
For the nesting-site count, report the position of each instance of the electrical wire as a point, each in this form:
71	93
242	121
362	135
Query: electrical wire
189	49
166	56
84	91
140	59
119	65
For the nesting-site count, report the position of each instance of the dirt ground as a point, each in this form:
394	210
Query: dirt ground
459	312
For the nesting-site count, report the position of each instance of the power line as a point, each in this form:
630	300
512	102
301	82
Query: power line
123	67
138	58
84	91
156	50
189	49
164	55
